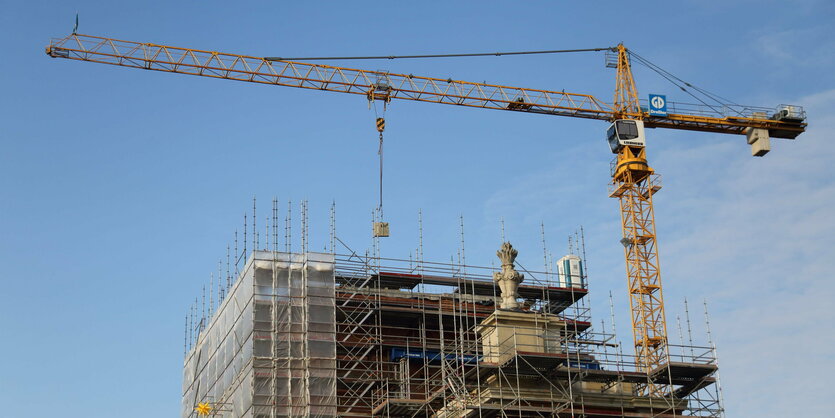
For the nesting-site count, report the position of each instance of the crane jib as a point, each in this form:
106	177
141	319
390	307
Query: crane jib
404	87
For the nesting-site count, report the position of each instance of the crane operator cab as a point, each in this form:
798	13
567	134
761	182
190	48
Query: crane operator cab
625	132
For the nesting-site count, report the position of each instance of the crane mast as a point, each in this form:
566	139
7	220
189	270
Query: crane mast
633	182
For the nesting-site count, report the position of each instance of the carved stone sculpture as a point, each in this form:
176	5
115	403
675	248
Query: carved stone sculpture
508	279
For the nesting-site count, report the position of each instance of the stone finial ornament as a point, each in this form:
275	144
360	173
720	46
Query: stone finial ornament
508	279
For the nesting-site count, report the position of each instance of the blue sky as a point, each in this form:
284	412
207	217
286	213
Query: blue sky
121	188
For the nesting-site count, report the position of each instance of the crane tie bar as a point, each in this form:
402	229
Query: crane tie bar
480	54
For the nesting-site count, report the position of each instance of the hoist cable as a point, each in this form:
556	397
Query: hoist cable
380	121
479	54
380	152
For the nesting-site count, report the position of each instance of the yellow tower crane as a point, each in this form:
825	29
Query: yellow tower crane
634	182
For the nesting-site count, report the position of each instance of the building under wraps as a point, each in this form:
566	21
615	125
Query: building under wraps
325	335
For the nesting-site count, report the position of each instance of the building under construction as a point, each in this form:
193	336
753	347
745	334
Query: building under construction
349	335
303	334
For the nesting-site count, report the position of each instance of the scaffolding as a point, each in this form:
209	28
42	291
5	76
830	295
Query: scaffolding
327	335
356	335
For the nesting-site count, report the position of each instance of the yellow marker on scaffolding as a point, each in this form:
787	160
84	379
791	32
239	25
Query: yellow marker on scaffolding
203	409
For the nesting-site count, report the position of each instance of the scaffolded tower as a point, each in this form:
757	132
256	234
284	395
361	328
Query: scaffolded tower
349	335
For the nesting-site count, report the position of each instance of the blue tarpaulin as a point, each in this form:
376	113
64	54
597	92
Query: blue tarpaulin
591	365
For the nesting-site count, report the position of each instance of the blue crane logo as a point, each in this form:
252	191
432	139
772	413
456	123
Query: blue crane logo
657	105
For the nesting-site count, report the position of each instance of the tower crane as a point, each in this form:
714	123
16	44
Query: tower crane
634	182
